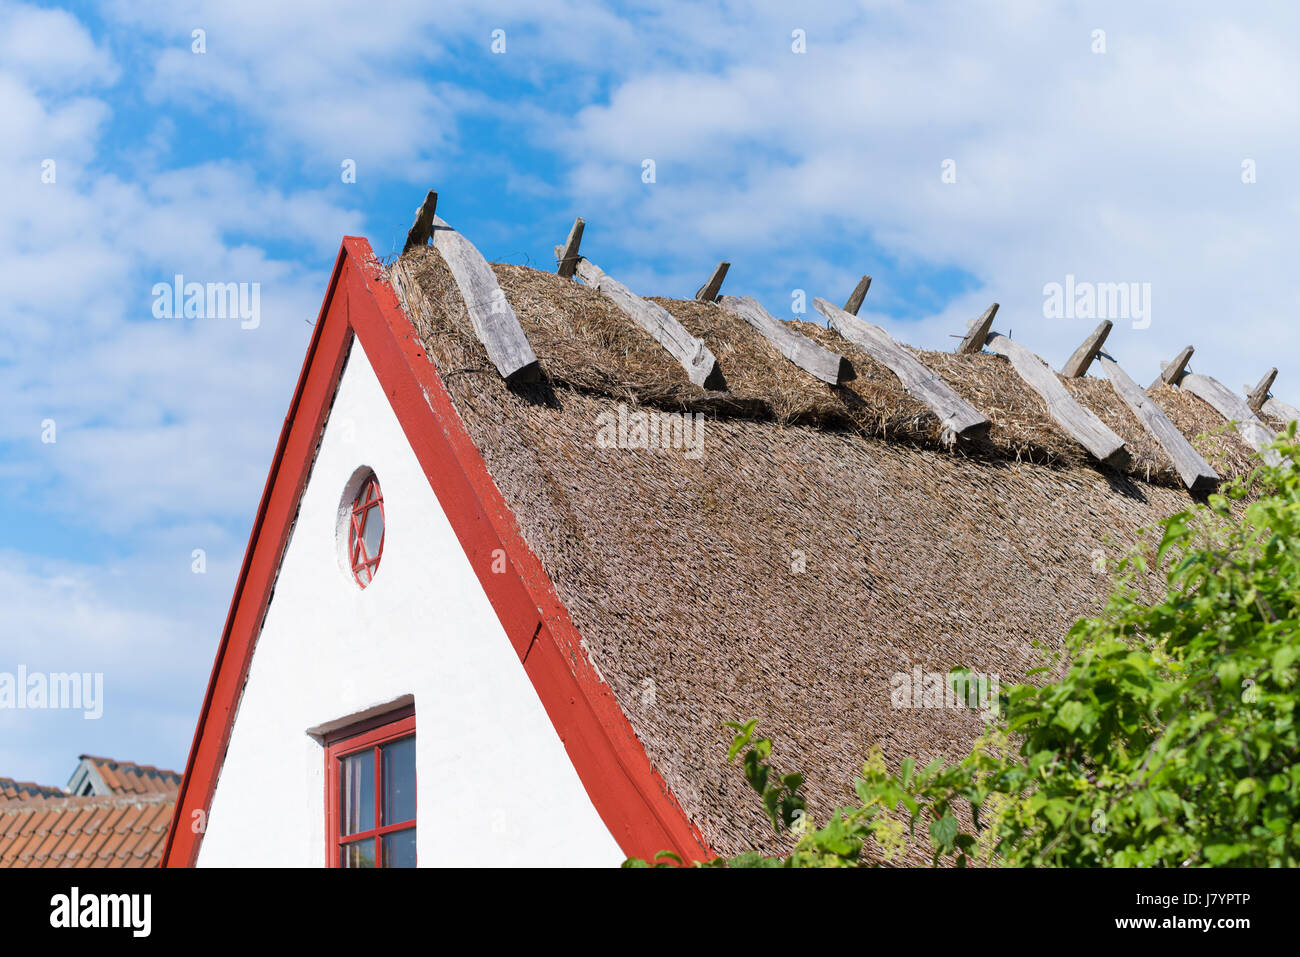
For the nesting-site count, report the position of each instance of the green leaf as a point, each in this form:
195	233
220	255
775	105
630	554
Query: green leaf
943	831
770	798
1219	854
1056	811
1069	715
1175	531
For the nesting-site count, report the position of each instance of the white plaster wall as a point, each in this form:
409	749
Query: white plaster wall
494	784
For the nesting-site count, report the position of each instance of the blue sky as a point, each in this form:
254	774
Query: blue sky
803	169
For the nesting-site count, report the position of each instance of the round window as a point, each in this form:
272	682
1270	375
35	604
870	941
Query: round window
366	530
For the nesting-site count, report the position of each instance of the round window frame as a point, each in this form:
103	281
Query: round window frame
346	531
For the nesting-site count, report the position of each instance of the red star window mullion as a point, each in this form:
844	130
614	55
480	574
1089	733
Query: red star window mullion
367	509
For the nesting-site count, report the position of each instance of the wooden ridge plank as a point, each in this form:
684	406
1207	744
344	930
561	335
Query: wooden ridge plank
957	417
831	367
692	353
1233	408
854	302
1079	423
1172	373
494	321
1256	396
1196	473
566	256
418	234
709	291
979	332
1077	365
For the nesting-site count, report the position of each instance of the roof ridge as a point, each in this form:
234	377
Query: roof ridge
115	799
13	792
586	344
126	765
29	784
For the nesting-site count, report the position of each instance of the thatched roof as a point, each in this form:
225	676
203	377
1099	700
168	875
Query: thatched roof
679	572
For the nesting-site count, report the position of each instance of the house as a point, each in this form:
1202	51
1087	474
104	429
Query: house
112	814
530	539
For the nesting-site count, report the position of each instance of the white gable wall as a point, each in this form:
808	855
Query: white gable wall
494	784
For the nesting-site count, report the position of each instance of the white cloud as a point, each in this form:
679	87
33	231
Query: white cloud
1123	166
336	80
51	48
129	622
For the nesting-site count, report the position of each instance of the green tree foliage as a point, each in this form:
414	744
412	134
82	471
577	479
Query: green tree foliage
1169	741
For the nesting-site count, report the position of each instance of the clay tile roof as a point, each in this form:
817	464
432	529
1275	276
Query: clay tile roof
125	777
11	790
97	831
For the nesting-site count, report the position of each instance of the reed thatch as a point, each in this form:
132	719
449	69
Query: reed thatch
822	543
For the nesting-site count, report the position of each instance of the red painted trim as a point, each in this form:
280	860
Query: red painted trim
290	467
630	796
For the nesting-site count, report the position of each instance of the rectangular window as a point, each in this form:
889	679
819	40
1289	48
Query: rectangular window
370	792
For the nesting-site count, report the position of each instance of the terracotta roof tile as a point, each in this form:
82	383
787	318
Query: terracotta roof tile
125	777
117	830
110	837
150	843
11	790
128	831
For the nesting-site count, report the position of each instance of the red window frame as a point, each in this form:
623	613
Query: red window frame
368	496
367	735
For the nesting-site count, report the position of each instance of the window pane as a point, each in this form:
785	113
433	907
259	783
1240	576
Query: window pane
357	793
359	853
374	530
399	781
399	849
